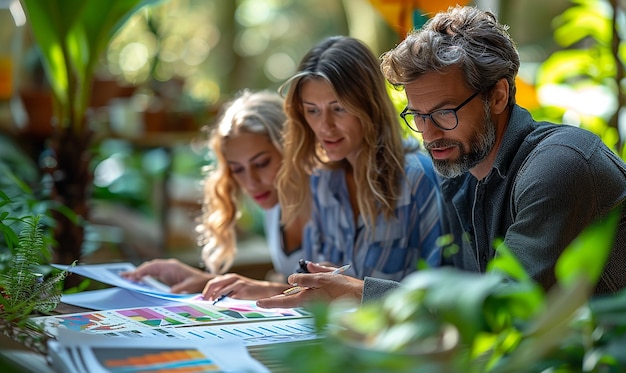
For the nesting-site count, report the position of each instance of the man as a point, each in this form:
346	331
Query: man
506	176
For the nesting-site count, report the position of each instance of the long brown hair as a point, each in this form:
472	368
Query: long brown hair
354	73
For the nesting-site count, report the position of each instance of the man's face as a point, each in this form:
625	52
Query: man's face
456	151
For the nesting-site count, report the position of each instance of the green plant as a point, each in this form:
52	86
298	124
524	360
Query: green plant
27	284
72	35
592	61
24	288
446	320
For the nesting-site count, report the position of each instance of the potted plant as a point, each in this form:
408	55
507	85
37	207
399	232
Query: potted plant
27	284
71	35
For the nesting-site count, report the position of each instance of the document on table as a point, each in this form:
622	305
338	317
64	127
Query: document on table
115	297
201	320
134	310
88	353
110	273
177	315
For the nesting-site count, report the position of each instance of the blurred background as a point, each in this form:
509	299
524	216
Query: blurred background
163	76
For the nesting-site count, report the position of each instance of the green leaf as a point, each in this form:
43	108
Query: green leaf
461	306
609	309
563	65
50	22
71	35
507	263
98	24
590	19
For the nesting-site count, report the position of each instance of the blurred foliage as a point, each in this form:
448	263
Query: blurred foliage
581	84
213	49
18	200
27	282
447	320
220	47
71	36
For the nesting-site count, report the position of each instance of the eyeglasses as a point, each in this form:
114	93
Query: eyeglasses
445	119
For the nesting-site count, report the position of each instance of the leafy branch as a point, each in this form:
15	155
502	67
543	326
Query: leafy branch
448	320
24	288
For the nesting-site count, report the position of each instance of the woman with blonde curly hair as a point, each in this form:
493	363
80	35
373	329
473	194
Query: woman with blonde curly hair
374	198
247	149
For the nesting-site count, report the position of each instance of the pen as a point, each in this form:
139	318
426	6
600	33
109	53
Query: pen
296	289
302	266
221	297
341	269
293	290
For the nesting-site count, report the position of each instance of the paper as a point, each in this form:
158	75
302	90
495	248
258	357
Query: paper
140	311
231	318
114	298
253	334
109	273
177	315
87	353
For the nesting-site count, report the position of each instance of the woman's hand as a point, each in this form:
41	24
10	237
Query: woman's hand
181	278
240	287
318	285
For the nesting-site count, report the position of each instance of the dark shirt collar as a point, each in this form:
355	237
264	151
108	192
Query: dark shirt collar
514	136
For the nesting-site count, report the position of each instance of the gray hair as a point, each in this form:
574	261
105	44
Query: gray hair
461	36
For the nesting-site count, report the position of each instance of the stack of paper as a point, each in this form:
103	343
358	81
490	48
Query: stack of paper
199	320
74	352
147	308
124	293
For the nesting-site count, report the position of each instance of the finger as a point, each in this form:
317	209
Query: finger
142	271
194	284
231	291
132	275
308	280
283	301
219	282
181	287
217	286
318	268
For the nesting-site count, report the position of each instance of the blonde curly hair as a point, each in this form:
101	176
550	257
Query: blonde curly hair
249	112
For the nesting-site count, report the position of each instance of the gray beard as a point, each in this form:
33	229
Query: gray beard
481	144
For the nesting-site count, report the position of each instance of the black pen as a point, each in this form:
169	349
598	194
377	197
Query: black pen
221	297
303	269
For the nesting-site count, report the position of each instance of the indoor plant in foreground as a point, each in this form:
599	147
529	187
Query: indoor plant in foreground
71	35
446	320
27	284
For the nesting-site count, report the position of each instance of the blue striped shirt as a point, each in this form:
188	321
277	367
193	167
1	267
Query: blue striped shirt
397	244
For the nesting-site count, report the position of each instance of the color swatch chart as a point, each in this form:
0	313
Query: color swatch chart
189	314
257	333
154	360
254	334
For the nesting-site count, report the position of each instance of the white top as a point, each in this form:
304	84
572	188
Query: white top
283	264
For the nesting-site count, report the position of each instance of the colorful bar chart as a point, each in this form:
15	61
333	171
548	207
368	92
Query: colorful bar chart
174	360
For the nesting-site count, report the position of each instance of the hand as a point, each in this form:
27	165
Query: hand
240	287
182	278
319	285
